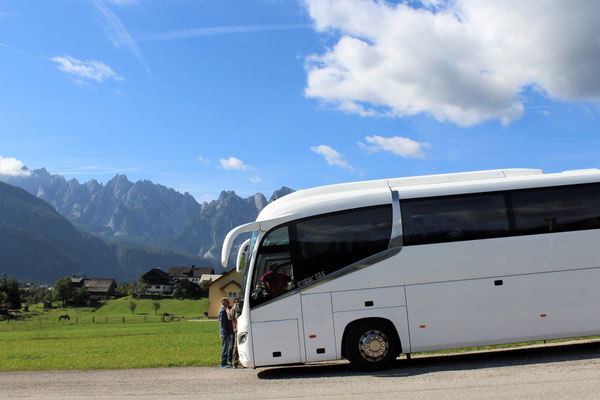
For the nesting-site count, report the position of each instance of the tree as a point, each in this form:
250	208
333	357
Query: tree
132	306
80	296
156	306
142	286
126	288
63	289
11	290
205	287
187	290
36	294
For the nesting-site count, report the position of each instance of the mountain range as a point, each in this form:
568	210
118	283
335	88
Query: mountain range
142	212
38	244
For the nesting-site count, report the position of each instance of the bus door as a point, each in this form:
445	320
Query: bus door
275	313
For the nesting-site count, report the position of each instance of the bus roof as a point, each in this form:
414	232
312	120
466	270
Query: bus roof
345	196
364	193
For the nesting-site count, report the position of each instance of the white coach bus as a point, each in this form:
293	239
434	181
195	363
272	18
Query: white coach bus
369	270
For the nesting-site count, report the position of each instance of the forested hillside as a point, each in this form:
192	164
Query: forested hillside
37	243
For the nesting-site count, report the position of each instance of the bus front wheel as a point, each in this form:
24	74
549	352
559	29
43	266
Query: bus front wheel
371	345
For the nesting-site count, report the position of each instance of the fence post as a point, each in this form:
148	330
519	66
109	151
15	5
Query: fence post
123	319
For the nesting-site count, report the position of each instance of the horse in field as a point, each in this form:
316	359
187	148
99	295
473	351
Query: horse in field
64	316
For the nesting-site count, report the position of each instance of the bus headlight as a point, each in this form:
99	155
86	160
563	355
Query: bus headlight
242	338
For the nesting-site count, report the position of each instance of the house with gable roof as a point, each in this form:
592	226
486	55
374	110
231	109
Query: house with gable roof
96	288
228	285
193	274
157	281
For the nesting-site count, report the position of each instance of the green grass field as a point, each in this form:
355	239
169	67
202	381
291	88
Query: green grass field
40	342
99	339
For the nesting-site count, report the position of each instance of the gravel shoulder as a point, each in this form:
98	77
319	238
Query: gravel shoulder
558	371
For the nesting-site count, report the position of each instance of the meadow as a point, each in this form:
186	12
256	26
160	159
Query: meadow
111	337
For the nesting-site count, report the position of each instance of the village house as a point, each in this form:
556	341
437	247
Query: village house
100	288
209	278
227	285
192	274
157	281
96	288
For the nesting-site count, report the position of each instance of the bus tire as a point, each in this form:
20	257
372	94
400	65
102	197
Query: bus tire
372	345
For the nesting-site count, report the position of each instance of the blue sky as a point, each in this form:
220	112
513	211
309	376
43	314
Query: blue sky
204	95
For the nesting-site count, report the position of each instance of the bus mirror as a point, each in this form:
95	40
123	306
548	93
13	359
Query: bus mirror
242	256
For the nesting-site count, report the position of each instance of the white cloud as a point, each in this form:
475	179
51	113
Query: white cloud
89	69
463	61
256	179
221	30
332	157
118	34
21	52
233	163
203	159
13	167
401	146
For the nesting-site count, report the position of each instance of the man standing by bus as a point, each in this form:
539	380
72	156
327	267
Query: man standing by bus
226	333
233	315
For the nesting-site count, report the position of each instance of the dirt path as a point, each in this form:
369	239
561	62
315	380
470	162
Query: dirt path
564	371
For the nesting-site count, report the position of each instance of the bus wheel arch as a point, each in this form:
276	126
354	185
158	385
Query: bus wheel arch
371	344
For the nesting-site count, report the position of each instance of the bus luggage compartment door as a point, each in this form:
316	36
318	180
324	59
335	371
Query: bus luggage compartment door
319	340
276	342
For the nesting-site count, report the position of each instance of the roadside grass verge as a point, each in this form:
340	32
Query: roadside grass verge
110	337
111	346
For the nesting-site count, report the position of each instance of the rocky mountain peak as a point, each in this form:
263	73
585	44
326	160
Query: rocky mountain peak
145	212
227	194
283	191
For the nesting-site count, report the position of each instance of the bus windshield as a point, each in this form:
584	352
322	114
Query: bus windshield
272	274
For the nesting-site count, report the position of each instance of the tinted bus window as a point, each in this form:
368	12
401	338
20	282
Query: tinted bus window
556	209
325	244
454	218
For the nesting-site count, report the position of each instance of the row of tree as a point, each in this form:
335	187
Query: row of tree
14	294
133	306
64	291
10	293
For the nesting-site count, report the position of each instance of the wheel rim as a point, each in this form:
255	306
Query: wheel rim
373	345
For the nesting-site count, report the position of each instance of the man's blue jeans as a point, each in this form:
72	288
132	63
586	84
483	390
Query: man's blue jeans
227	349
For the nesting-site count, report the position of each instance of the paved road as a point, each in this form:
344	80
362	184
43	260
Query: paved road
565	371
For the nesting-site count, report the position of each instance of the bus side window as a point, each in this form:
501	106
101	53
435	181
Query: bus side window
454	218
327	243
556	209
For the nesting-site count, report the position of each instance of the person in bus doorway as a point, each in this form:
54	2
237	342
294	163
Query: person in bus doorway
226	333
233	315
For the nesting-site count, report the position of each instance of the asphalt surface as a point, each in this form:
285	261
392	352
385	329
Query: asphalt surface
558	371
